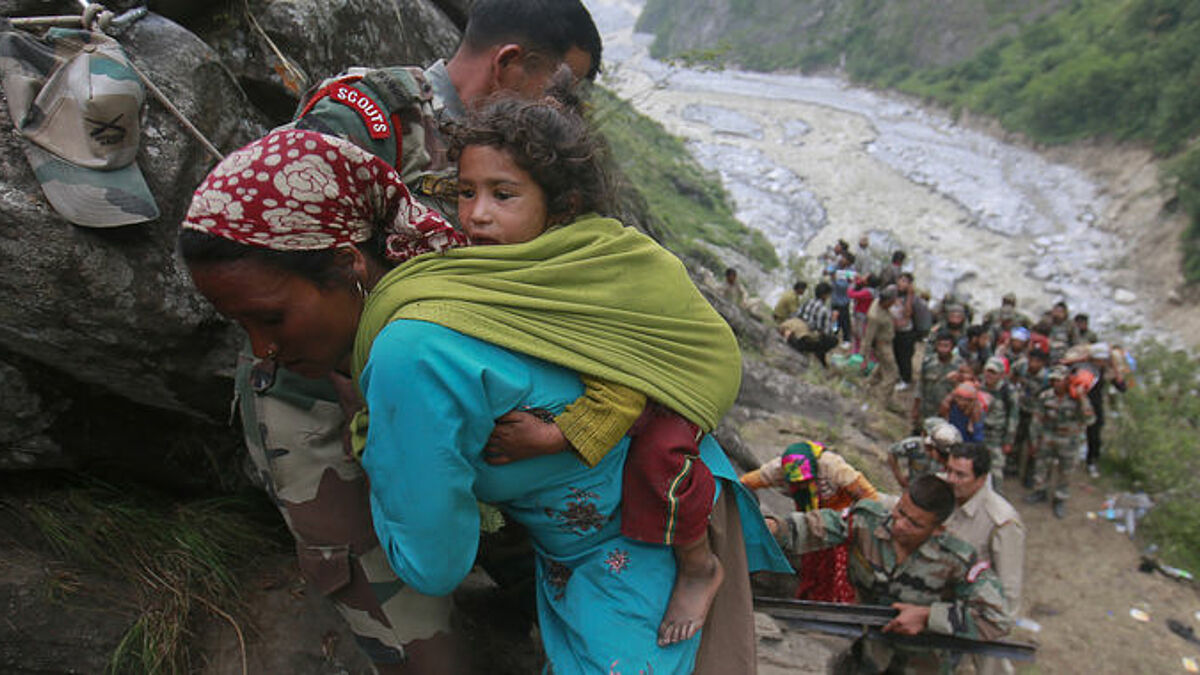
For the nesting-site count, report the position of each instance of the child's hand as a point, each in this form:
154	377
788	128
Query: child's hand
522	435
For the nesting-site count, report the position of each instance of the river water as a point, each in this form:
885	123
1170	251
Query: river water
809	160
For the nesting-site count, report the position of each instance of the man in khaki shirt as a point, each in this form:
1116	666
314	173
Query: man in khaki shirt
877	342
988	522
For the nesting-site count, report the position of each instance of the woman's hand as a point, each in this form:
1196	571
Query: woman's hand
522	435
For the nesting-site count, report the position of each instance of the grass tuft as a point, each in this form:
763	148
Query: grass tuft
180	557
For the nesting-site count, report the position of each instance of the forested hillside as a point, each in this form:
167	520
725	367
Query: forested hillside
1122	69
684	203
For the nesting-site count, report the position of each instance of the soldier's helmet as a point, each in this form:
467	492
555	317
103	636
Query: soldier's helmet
932	423
945	437
1059	373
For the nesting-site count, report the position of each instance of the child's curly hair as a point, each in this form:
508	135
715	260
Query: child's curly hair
549	140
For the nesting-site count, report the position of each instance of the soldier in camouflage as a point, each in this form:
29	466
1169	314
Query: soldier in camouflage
1000	420
1085	333
1029	377
1059	423
934	382
1062	332
295	428
904	558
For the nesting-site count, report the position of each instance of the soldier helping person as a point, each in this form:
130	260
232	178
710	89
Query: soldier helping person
903	557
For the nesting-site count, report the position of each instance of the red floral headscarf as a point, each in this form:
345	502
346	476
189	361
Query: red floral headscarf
295	190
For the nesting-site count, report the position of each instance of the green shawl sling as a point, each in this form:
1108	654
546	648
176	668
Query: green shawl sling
592	296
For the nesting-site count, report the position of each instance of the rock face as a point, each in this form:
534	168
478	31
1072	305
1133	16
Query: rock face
372	33
104	323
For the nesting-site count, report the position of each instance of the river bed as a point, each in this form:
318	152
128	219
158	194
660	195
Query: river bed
809	160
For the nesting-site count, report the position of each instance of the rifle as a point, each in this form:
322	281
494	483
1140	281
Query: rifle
866	620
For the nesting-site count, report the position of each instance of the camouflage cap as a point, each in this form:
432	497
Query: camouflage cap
77	101
1059	373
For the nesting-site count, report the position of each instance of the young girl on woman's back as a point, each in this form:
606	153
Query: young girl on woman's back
527	167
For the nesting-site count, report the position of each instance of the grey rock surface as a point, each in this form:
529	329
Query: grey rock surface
282	47
110	315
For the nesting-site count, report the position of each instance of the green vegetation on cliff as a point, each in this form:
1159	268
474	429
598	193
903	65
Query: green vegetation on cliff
1154	449
1122	69
686	204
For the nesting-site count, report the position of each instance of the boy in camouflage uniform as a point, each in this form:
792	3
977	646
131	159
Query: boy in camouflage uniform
1059	423
1000	421
902	557
295	428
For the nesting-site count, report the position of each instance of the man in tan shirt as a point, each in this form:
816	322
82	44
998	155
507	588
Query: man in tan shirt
988	522
877	342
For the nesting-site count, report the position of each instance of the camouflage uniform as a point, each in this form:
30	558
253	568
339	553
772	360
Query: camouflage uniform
933	385
293	429
1062	337
999	426
294	426
912	449
944	573
1059	423
1028	387
420	103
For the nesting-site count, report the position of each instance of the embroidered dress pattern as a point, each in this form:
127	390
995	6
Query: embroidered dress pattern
581	513
557	575
617	560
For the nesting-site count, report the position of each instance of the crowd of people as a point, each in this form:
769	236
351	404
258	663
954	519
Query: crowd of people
1028	390
1004	399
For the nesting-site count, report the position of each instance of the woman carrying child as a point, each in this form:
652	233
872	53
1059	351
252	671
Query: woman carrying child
447	344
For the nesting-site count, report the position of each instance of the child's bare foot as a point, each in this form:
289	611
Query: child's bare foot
696	582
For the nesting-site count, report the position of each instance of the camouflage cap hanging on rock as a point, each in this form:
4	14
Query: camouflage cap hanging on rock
77	102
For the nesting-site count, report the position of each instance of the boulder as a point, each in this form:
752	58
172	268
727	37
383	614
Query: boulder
100	329
112	307
372	33
1124	297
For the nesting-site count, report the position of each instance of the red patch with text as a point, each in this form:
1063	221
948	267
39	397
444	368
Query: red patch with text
372	115
977	569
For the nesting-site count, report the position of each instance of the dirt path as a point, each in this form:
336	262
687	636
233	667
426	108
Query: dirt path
1081	580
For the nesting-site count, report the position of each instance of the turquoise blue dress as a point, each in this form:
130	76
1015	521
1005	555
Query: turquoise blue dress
433	394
